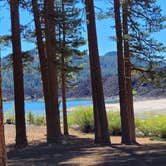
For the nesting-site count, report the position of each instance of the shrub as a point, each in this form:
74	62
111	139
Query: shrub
9	117
39	120
82	119
114	123
153	125
30	117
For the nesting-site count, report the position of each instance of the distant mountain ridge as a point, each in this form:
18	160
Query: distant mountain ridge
33	84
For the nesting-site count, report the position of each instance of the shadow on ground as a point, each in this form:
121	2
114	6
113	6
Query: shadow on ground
82	151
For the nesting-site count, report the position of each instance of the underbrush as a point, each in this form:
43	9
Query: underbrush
31	119
152	125
81	118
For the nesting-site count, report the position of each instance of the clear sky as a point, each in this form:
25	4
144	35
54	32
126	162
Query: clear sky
104	29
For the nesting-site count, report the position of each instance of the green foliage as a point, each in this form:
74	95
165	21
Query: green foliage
82	119
30	118
114	123
153	125
4	99
134	92
39	120
10	117
150	125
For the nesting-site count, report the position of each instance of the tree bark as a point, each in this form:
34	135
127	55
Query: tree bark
125	125
21	139
129	95
43	65
101	124
54	120
65	124
3	156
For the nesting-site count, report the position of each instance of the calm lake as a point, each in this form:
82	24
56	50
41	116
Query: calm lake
37	107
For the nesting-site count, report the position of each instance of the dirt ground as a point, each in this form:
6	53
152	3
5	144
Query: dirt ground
79	149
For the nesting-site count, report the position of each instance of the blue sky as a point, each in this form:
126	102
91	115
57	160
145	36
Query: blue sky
104	30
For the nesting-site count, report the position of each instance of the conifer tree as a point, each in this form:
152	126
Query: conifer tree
3	156
69	39
100	118
21	139
50	36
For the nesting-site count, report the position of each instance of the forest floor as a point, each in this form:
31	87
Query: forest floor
79	149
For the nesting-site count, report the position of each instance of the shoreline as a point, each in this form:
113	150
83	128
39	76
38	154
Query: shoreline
141	104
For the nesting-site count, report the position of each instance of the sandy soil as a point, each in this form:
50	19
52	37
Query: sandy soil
79	149
154	105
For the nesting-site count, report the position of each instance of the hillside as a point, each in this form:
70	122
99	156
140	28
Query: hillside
33	86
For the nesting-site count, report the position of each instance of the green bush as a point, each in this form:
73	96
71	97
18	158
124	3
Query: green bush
30	118
153	125
9	117
114	123
39	120
150	125
82	118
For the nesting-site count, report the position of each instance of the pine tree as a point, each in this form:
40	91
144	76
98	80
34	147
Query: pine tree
54	115
3	156
128	80
69	39
21	139
43	64
125	121
100	118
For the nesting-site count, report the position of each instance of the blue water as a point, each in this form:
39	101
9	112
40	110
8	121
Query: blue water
37	107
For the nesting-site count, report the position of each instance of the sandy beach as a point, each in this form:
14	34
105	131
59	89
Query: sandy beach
157	106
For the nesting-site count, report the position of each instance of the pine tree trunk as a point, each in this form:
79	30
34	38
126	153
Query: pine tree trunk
2	136
43	64
101	124
129	95
54	118
121	76
65	124
21	139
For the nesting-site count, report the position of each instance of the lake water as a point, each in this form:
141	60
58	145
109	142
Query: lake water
37	107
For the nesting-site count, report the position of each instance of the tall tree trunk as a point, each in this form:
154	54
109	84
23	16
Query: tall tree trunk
2	136
21	139
101	124
43	65
129	95
65	124
54	118
121	76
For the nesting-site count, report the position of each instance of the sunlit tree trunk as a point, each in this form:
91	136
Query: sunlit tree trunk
2	136
54	115
101	124
43	64
129	95
21	139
